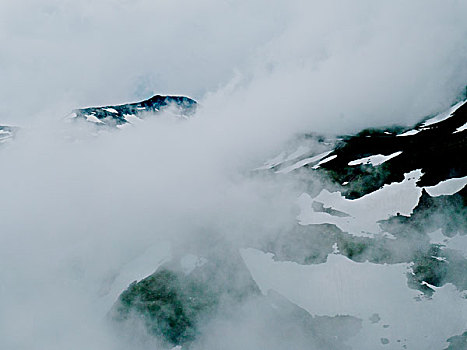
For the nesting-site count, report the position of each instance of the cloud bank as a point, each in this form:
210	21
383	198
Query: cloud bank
76	210
350	64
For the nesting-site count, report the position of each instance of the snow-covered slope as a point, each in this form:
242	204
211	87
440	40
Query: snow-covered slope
375	157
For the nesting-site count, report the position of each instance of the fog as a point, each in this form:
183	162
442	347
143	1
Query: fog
384	62
76	209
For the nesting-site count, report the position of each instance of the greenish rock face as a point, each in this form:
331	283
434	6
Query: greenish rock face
172	303
169	304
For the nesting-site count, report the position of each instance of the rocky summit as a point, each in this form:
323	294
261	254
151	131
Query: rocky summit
127	113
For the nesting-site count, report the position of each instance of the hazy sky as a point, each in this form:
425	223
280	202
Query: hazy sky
351	63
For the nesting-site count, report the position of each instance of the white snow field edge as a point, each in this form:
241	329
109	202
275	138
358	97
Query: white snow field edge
443	116
374	160
325	160
460	128
457	242
365	212
303	162
343	287
438	118
447	187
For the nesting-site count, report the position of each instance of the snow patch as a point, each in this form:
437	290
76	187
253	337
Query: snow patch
110	110
447	187
374	160
271	163
409	133
365	212
344	287
94	119
132	119
443	116
458	242
328	159
282	158
461	128
302	163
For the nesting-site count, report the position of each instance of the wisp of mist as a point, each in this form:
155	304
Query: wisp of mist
78	206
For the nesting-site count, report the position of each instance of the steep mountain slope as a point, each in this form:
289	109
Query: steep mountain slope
384	243
395	206
376	259
366	161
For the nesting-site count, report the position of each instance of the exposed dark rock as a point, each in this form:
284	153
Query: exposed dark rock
437	150
172	303
188	307
119	114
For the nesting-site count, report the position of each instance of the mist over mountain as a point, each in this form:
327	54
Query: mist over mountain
233	175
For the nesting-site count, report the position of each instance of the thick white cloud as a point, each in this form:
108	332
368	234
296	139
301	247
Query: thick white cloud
334	65
73	213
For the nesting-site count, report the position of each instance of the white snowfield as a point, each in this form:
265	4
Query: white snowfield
443	116
365	212
447	187
93	119
325	160
283	158
343	287
461	128
303	162
110	110
409	133
271	163
457	242
374	160
132	119
438	118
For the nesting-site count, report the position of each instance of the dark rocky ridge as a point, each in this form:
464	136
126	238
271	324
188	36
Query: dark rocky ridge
438	150
179	307
113	116
118	115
